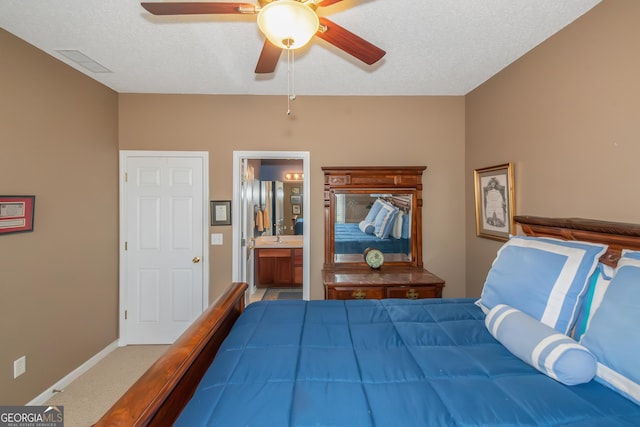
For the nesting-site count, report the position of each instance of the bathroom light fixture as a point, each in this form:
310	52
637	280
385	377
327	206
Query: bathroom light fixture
293	176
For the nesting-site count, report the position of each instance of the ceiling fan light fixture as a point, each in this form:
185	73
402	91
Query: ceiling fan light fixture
288	24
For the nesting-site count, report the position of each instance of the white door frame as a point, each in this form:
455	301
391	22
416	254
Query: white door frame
124	156
235	211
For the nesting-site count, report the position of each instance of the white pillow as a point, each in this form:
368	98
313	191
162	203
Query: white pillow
550	352
396	231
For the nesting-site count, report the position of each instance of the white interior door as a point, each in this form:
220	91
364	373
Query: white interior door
249	195
164	257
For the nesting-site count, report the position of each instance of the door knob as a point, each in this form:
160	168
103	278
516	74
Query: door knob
195	260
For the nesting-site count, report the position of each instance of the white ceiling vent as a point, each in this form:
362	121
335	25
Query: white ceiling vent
84	61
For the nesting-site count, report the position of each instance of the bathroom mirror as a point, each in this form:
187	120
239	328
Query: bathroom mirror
281	208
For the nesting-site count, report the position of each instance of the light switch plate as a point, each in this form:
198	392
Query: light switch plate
19	366
216	238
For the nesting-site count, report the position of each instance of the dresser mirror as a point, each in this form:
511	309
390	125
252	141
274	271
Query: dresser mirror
364	219
373	207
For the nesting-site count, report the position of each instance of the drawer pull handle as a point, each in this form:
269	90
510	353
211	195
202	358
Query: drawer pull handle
412	294
359	294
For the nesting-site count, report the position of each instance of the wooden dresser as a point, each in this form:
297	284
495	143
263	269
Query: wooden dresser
349	194
397	282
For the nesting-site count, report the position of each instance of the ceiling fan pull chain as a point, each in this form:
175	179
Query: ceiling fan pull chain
291	91
293	76
288	82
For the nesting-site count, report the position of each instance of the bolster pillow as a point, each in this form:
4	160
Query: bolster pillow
549	351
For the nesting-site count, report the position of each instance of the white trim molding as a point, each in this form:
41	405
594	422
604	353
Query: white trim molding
42	398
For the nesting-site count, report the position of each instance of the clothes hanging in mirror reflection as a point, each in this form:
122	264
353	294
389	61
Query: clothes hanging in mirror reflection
259	220
265	218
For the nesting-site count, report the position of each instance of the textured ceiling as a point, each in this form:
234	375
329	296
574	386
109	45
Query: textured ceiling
434	47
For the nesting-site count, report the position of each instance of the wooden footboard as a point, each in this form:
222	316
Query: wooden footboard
161	393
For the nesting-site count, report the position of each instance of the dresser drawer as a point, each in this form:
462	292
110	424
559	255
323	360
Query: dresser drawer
414	292
344	293
388	282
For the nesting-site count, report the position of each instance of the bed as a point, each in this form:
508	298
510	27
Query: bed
381	362
386	226
349	239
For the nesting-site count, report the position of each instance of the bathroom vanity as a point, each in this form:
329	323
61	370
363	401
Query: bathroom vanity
278	261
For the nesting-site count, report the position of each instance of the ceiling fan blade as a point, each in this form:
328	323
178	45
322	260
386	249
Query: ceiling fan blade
349	42
328	2
199	8
268	58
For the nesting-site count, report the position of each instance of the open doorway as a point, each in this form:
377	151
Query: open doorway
255	199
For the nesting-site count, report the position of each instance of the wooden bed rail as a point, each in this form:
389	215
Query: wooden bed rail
158	397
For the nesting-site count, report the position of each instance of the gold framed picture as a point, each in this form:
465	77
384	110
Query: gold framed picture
494	202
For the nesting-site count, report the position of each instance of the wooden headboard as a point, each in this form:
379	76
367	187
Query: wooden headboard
616	235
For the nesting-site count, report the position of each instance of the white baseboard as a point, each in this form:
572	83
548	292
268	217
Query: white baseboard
69	378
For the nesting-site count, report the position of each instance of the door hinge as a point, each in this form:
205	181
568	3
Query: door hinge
125	315
126	246
126	177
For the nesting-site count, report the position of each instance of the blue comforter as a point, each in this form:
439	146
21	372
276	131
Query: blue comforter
349	239
384	363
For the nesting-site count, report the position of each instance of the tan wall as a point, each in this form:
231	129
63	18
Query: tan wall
567	116
336	131
58	284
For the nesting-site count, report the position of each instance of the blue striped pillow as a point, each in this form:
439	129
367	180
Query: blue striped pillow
543	277
550	352
613	335
627	253
367	227
406	226
382	221
373	211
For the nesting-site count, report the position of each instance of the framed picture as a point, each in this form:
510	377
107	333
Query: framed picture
296	209
494	202
296	200
295	190
16	214
221	212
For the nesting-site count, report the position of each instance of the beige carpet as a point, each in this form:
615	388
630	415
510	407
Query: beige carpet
93	393
282	293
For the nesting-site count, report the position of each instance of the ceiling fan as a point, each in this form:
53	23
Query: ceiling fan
286	24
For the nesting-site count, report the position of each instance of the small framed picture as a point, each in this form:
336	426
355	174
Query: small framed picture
295	190
494	202
16	214
221	212
296	200
295	209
